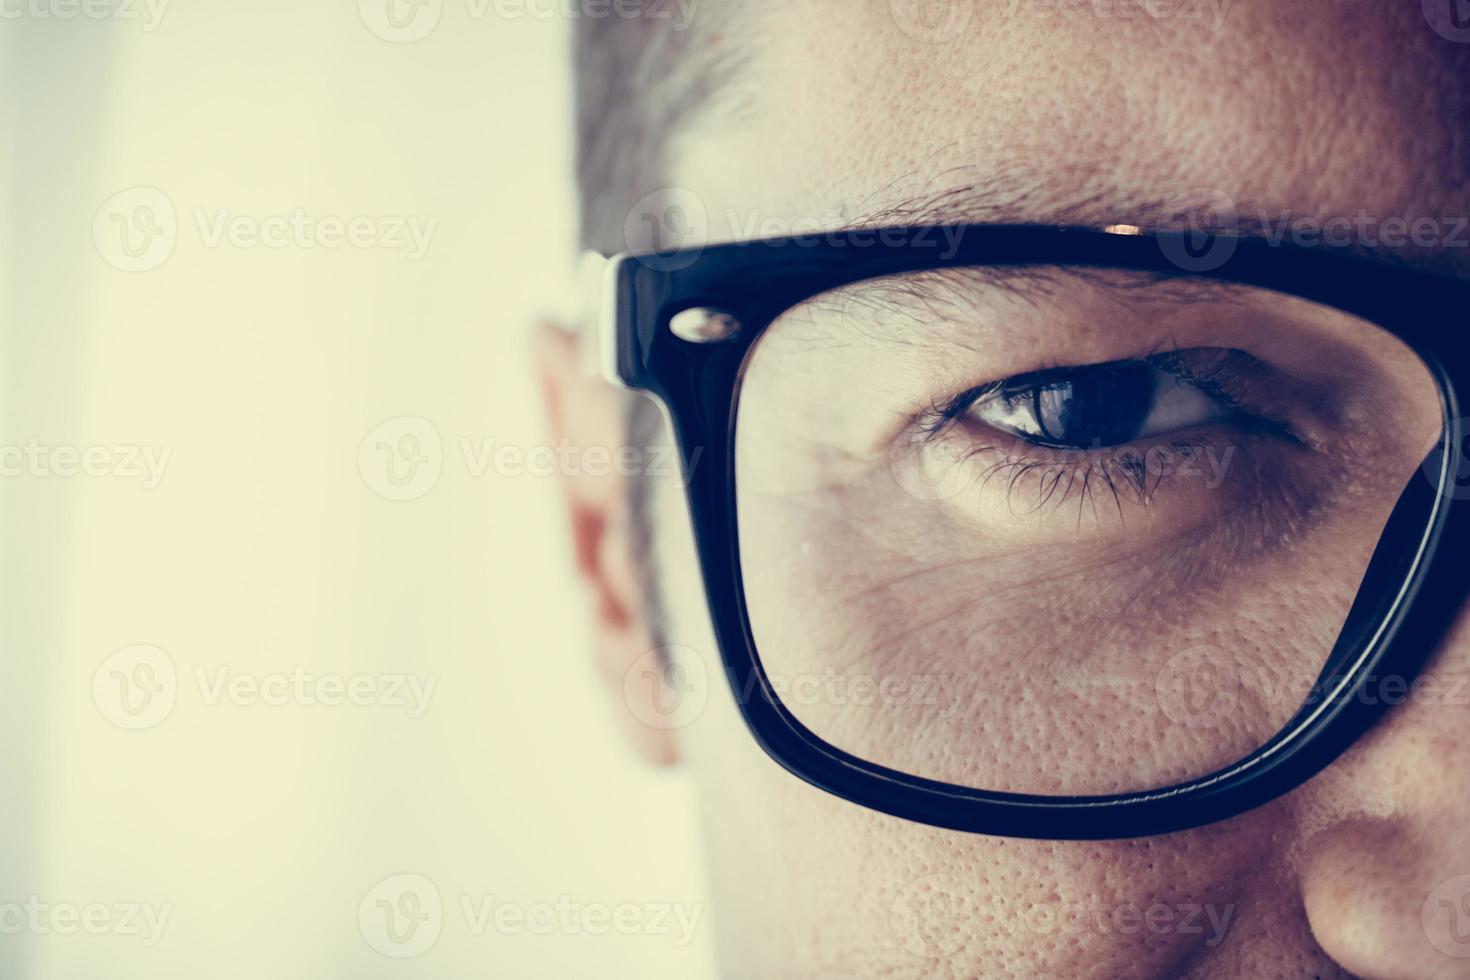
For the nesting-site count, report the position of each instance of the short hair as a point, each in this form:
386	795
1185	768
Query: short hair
640	75
638	79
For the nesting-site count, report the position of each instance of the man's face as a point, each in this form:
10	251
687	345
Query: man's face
1031	111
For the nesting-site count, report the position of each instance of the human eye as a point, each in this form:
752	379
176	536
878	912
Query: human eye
1123	432
1093	406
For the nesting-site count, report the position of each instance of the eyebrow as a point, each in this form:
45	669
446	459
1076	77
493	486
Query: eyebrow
965	195
943	299
1091	197
1081	197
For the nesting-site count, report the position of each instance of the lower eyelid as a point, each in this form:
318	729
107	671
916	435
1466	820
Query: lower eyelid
1008	486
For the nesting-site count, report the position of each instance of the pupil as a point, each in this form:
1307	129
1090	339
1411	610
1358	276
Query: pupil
1096	406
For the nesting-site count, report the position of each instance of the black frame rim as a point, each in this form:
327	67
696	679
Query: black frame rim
698	386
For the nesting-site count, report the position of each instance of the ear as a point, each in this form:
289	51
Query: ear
587	413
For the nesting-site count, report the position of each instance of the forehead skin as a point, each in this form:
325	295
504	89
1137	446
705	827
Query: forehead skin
1322	107
1314	107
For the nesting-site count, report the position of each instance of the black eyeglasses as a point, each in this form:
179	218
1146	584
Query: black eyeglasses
1061	532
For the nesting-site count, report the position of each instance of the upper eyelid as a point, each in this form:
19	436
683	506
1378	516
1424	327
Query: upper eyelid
943	413
940	414
956	405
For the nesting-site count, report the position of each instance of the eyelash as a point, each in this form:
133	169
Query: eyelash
1125	471
1119	469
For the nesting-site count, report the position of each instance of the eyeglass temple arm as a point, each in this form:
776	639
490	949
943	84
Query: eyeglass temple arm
597	316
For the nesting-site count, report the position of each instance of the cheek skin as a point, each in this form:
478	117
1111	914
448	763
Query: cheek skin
1041	697
834	890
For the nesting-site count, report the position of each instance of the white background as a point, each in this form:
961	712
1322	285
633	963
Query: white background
264	548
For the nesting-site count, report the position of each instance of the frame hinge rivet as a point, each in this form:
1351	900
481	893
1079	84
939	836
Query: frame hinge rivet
701	325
